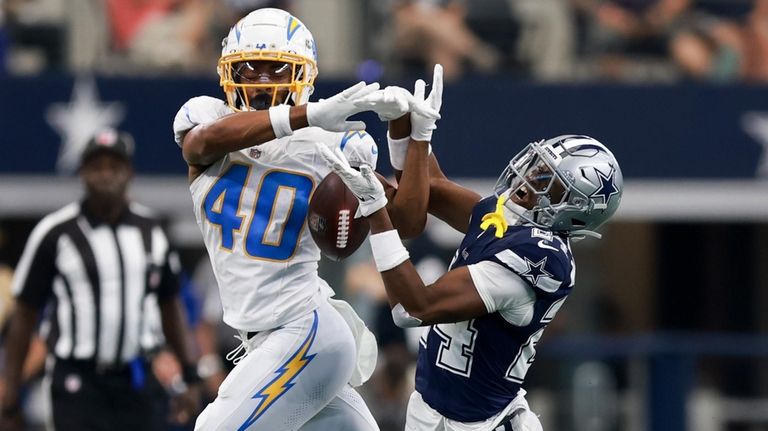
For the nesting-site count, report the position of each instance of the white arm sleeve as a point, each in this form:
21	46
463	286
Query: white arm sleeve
197	110
504	291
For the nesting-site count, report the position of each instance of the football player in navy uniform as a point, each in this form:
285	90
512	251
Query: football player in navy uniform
511	274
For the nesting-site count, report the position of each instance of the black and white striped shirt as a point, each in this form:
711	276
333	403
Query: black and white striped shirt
106	282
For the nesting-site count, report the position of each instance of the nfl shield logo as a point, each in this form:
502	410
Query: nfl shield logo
255	153
317	223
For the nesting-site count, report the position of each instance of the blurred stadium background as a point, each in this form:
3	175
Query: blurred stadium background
667	328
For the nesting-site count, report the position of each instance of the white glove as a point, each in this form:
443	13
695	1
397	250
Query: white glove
422	126
331	114
363	184
393	102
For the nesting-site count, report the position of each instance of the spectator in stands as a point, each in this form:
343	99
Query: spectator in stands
709	48
36	31
163	34
724	47
427	32
6	299
621	31
756	45
3	38
547	37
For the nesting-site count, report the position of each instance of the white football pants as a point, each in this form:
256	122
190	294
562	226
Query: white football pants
294	377
422	417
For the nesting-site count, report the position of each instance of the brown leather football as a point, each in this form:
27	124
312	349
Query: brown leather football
332	221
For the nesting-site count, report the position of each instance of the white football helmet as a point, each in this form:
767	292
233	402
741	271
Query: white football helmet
576	181
268	35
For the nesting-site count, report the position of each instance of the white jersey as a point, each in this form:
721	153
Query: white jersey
251	207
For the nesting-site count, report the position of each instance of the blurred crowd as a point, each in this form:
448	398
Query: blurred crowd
544	40
579	40
117	36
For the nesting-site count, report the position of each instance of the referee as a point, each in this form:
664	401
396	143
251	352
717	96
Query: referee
104	270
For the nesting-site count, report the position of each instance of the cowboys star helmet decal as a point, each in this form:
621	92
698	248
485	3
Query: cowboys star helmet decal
607	186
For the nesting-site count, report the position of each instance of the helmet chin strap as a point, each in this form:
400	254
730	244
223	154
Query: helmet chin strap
512	213
578	235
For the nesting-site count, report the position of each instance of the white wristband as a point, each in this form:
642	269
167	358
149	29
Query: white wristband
388	250
280	117
398	148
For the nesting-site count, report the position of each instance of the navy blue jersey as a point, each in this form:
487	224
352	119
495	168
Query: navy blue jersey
469	371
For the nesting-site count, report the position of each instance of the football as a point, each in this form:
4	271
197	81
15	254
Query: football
332	221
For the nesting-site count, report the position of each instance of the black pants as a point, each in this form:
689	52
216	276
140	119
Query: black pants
89	399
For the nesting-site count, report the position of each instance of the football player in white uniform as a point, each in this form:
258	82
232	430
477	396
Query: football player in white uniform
511	274
253	165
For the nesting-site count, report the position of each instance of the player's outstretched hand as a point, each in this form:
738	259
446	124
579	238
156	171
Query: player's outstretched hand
363	184
393	102
331	114
422	126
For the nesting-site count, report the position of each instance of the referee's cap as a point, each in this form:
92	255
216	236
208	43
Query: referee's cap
111	141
